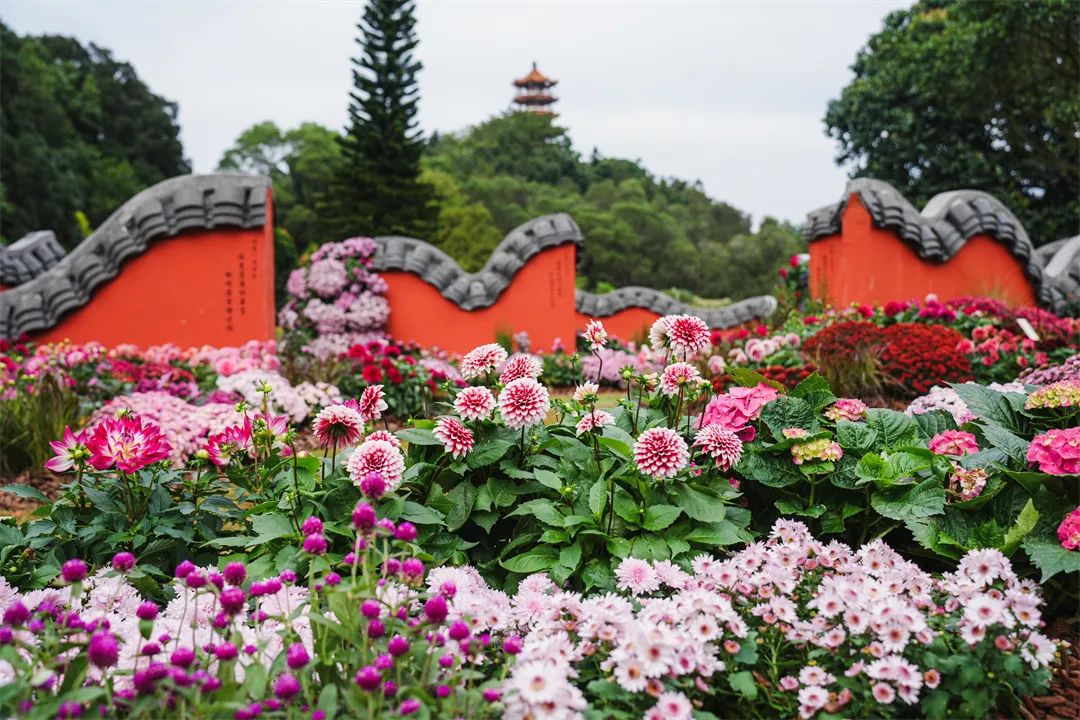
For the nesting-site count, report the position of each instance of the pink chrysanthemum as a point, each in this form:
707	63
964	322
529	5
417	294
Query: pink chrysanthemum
338	425
954	442
372	403
69	451
1068	531
455	437
482	360
636	576
231	441
523	402
474	403
721	444
519	366
595	335
377	456
684	335
846	409
1056	452
127	443
593	420
385	436
678	376
660	452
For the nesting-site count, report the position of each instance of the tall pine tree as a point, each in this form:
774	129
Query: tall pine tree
376	191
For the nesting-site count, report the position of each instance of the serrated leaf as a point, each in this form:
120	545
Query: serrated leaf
719	533
659	517
743	683
910	503
25	491
421	514
893	428
271	526
700	504
570	556
815	390
1013	446
536	560
856	437
464	498
772	470
991	405
1025	523
416	436
542	509
487	453
787	412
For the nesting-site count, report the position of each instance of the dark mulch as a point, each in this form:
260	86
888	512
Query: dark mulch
1063	698
10	504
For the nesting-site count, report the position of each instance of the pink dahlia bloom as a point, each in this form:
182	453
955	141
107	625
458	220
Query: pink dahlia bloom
1056	452
678	376
519	366
377	456
523	402
481	360
595	335
586	393
721	444
594	420
372	403
127	443
684	335
455	437
737	408
69	451
1068	531
338	425
636	576
474	403
233	440
660	453
954	442
846	409
385	436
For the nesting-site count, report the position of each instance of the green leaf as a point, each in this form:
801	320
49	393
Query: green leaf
328	700
1013	446
487	453
893	468
570	556
548	479
1046	553
650	547
598	575
749	378
910	503
25	491
658	517
815	390
718	533
788	412
536	560
464	498
102	501
626	507
1025	523
542	509
990	405
893	428
421	514
772	470
598	495
271	526
416	436
743	683
699	504
855	436
933	422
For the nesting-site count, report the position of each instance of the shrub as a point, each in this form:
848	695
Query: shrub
848	355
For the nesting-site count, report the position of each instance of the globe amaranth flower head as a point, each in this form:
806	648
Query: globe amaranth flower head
721	444
595	335
678	377
1056	452
339	425
846	409
660	453
70	451
523	402
684	335
519	366
1065	393
377	456
127	443
474	403
455	437
481	360
954	442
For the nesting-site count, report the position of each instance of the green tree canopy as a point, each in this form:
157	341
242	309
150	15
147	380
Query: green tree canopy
977	94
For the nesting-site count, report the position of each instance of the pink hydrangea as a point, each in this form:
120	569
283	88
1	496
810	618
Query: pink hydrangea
593	420
1056	452
377	456
455	437
1068	531
737	408
474	403
660	453
481	360
954	442
519	366
846	409
721	444
678	376
523	402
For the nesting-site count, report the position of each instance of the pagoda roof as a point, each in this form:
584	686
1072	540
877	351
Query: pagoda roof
535	77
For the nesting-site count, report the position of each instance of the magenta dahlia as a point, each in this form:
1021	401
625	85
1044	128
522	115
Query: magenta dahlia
678	376
595	335
474	403
660	452
721	444
455	437
523	402
377	456
519	366
338	425
233	440
127	443
482	360
69	451
372	403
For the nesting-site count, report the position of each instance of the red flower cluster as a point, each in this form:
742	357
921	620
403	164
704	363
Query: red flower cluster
834	344
917	357
378	361
155	376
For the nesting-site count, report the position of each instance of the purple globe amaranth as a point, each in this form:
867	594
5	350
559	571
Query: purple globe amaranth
368	678
364	516
123	562
182	657
372	485
287	576
286	687
217	579
397	646
370	609
235	573
312	526
7	635
443	691
195	580
459	630
376	629
73	570
392	566
412	568
184	569
16	614
297	656
315	544
405	531
492	695
384	662
232	600
103	650
147	610
435	609
512	645
226	651
332	579
390	689
408	707
448	589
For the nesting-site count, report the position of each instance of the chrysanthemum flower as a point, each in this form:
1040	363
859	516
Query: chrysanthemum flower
69	451
519	366
593	420
595	335
721	444
636	576
455	437
586	393
523	402
372	403
684	335
482	360
377	456
678	376
660	452
474	403
954	442
338	425
127	443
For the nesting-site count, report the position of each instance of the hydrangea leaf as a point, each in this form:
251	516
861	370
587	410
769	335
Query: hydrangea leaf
538	559
815	390
893	428
1025	523
911	503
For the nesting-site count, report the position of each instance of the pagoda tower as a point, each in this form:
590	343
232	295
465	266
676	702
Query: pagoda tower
533	93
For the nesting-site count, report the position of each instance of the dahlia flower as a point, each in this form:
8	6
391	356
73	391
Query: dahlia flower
1065	393
676	376
232	440
821	449
1056	452
127	443
519	366
684	335
593	420
377	456
481	360
846	409
586	393
474	403
523	402
954	442
384	435
339	425
372	403
595	335
660	453
968	484
720	444
1068	531
70	450
455	437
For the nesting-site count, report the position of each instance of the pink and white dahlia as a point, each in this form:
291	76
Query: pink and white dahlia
474	403
678	376
372	403
846	409
721	444
595	335
230	442
384	435
636	576
586	393
684	335
523	402
338	425
481	360
70	450
377	456
1056	452
455	437
1068	531
954	442
594	420
519	366
127	443
660	453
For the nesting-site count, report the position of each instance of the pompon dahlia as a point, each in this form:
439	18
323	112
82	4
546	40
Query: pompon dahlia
377	456
385	436
523	402
127	443
474	403
593	420
372	403
482	360
519	366
953	442
338	425
846	409
595	335
684	335
678	375
720	444
455	437
660	452
69	451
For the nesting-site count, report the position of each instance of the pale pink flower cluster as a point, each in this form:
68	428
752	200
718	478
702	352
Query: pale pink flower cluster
296	402
846	409
253	355
1056	452
607	362
968	484
757	350
954	442
947	399
737	408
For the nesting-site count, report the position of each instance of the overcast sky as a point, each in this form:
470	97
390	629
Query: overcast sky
731	93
